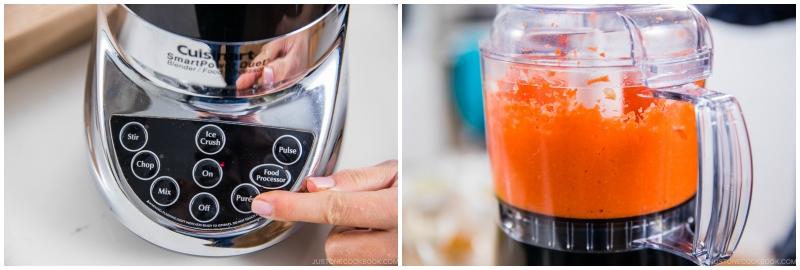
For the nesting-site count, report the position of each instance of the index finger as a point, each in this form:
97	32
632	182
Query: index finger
365	209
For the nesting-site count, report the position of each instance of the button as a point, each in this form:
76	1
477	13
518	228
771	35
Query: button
145	165
270	176
242	196
209	139
133	136
204	207
164	191
287	149
207	173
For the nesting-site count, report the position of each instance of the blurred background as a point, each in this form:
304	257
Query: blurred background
449	206
65	221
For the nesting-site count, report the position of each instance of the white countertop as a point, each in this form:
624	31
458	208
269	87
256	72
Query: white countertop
54	214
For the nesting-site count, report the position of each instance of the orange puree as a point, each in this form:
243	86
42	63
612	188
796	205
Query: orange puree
554	155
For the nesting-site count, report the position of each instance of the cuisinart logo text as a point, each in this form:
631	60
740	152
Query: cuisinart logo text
199	60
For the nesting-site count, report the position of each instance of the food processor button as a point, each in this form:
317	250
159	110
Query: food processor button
207	173
145	165
242	196
133	136
210	139
204	207
287	149
270	176
164	191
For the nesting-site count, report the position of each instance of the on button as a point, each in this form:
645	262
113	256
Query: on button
207	173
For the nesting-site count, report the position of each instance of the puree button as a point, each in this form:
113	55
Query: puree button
242	196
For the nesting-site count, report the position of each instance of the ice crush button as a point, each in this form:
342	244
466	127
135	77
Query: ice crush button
207	173
204	207
164	191
270	176
133	136
242	196
287	150
209	139
145	165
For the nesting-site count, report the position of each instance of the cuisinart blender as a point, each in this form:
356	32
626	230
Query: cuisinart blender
193	110
605	145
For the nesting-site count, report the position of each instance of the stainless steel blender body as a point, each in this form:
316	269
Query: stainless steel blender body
179	150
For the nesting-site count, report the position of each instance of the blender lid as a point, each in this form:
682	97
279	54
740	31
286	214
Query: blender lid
670	44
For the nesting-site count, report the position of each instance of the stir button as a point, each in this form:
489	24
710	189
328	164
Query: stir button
287	150
164	191
133	136
242	196
204	207
210	139
145	165
270	176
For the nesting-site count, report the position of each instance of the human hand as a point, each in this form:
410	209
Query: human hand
362	203
282	59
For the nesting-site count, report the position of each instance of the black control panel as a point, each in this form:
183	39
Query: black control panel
204	174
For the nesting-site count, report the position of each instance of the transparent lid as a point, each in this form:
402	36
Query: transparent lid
671	45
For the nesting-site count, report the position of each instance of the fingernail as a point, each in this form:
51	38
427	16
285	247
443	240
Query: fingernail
261	208
322	183
268	77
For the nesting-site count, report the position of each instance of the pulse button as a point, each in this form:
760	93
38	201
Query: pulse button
145	165
287	150
209	139
204	207
133	136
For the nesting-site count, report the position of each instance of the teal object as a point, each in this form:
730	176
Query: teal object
466	82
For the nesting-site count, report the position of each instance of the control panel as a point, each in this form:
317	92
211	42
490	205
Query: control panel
204	174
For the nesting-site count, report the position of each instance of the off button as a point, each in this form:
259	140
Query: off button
204	207
210	139
287	150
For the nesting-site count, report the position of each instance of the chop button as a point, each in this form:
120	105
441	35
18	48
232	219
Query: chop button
204	207
164	191
242	196
210	139
133	136
270	176
287	150
145	165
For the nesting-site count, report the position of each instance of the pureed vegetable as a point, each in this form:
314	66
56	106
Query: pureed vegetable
600	151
